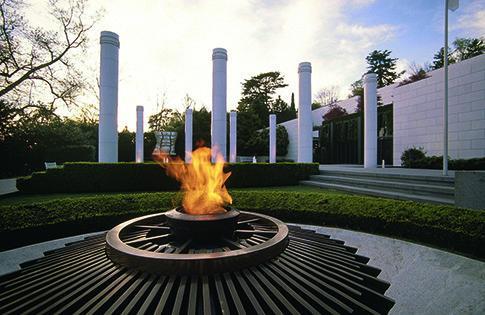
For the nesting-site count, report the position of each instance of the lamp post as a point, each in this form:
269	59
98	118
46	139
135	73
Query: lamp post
449	5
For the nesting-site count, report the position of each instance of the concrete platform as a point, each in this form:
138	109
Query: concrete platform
387	170
423	280
396	183
8	186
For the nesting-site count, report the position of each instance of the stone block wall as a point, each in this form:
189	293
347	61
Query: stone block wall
418	112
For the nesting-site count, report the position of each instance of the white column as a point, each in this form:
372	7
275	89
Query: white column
219	99
108	97
272	138
139	135
305	123
188	135
370	120
233	137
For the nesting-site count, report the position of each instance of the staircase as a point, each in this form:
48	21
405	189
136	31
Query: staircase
424	188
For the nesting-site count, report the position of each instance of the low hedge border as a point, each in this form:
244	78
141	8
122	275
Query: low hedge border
112	177
455	229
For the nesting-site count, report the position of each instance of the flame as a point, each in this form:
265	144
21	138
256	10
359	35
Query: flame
201	181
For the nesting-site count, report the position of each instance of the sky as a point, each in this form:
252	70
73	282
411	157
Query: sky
166	45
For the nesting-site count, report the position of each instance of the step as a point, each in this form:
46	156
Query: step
430	179
417	187
379	193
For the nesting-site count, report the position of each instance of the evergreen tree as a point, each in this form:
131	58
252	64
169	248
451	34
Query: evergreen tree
258	95
463	48
438	59
381	63
292	104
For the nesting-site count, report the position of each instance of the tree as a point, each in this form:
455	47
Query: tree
462	49
356	88
333	112
466	48
258	95
37	62
259	142
417	73
327	95
160	120
292	104
282	111
438	59
381	63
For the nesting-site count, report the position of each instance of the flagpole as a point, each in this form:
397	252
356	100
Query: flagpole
445	110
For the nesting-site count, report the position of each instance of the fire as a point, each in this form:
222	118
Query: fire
201	181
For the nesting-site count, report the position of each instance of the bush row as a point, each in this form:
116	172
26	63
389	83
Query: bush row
416	158
452	228
121	177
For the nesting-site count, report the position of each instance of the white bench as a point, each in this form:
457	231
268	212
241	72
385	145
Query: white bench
49	165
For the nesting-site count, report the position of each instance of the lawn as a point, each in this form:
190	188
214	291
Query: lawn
28	219
15	199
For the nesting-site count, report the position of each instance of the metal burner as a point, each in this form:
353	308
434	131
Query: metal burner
177	243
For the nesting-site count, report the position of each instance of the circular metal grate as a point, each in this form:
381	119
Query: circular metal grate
314	274
149	244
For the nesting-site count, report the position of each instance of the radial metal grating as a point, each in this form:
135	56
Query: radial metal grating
314	274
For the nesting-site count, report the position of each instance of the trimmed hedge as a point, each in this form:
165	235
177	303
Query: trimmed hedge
416	158
122	177
451	228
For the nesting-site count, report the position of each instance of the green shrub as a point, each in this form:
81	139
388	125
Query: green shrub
416	158
122	177
71	153
410	156
452	228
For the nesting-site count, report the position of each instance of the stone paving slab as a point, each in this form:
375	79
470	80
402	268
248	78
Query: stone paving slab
423	280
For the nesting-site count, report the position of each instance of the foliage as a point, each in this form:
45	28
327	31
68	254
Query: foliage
26	144
71	153
466	48
246	130
257	102
462	49
356	88
436	162
439	225
316	106
381	63
417	73
409	156
326	96
334	111
108	177
282	111
126	145
258	95
259	143
35	62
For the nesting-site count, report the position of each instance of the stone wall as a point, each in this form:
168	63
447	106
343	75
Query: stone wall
418	112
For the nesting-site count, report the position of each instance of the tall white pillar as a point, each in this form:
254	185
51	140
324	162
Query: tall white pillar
219	99
188	135
305	123
272	138
139	135
233	137
370	120
108	97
